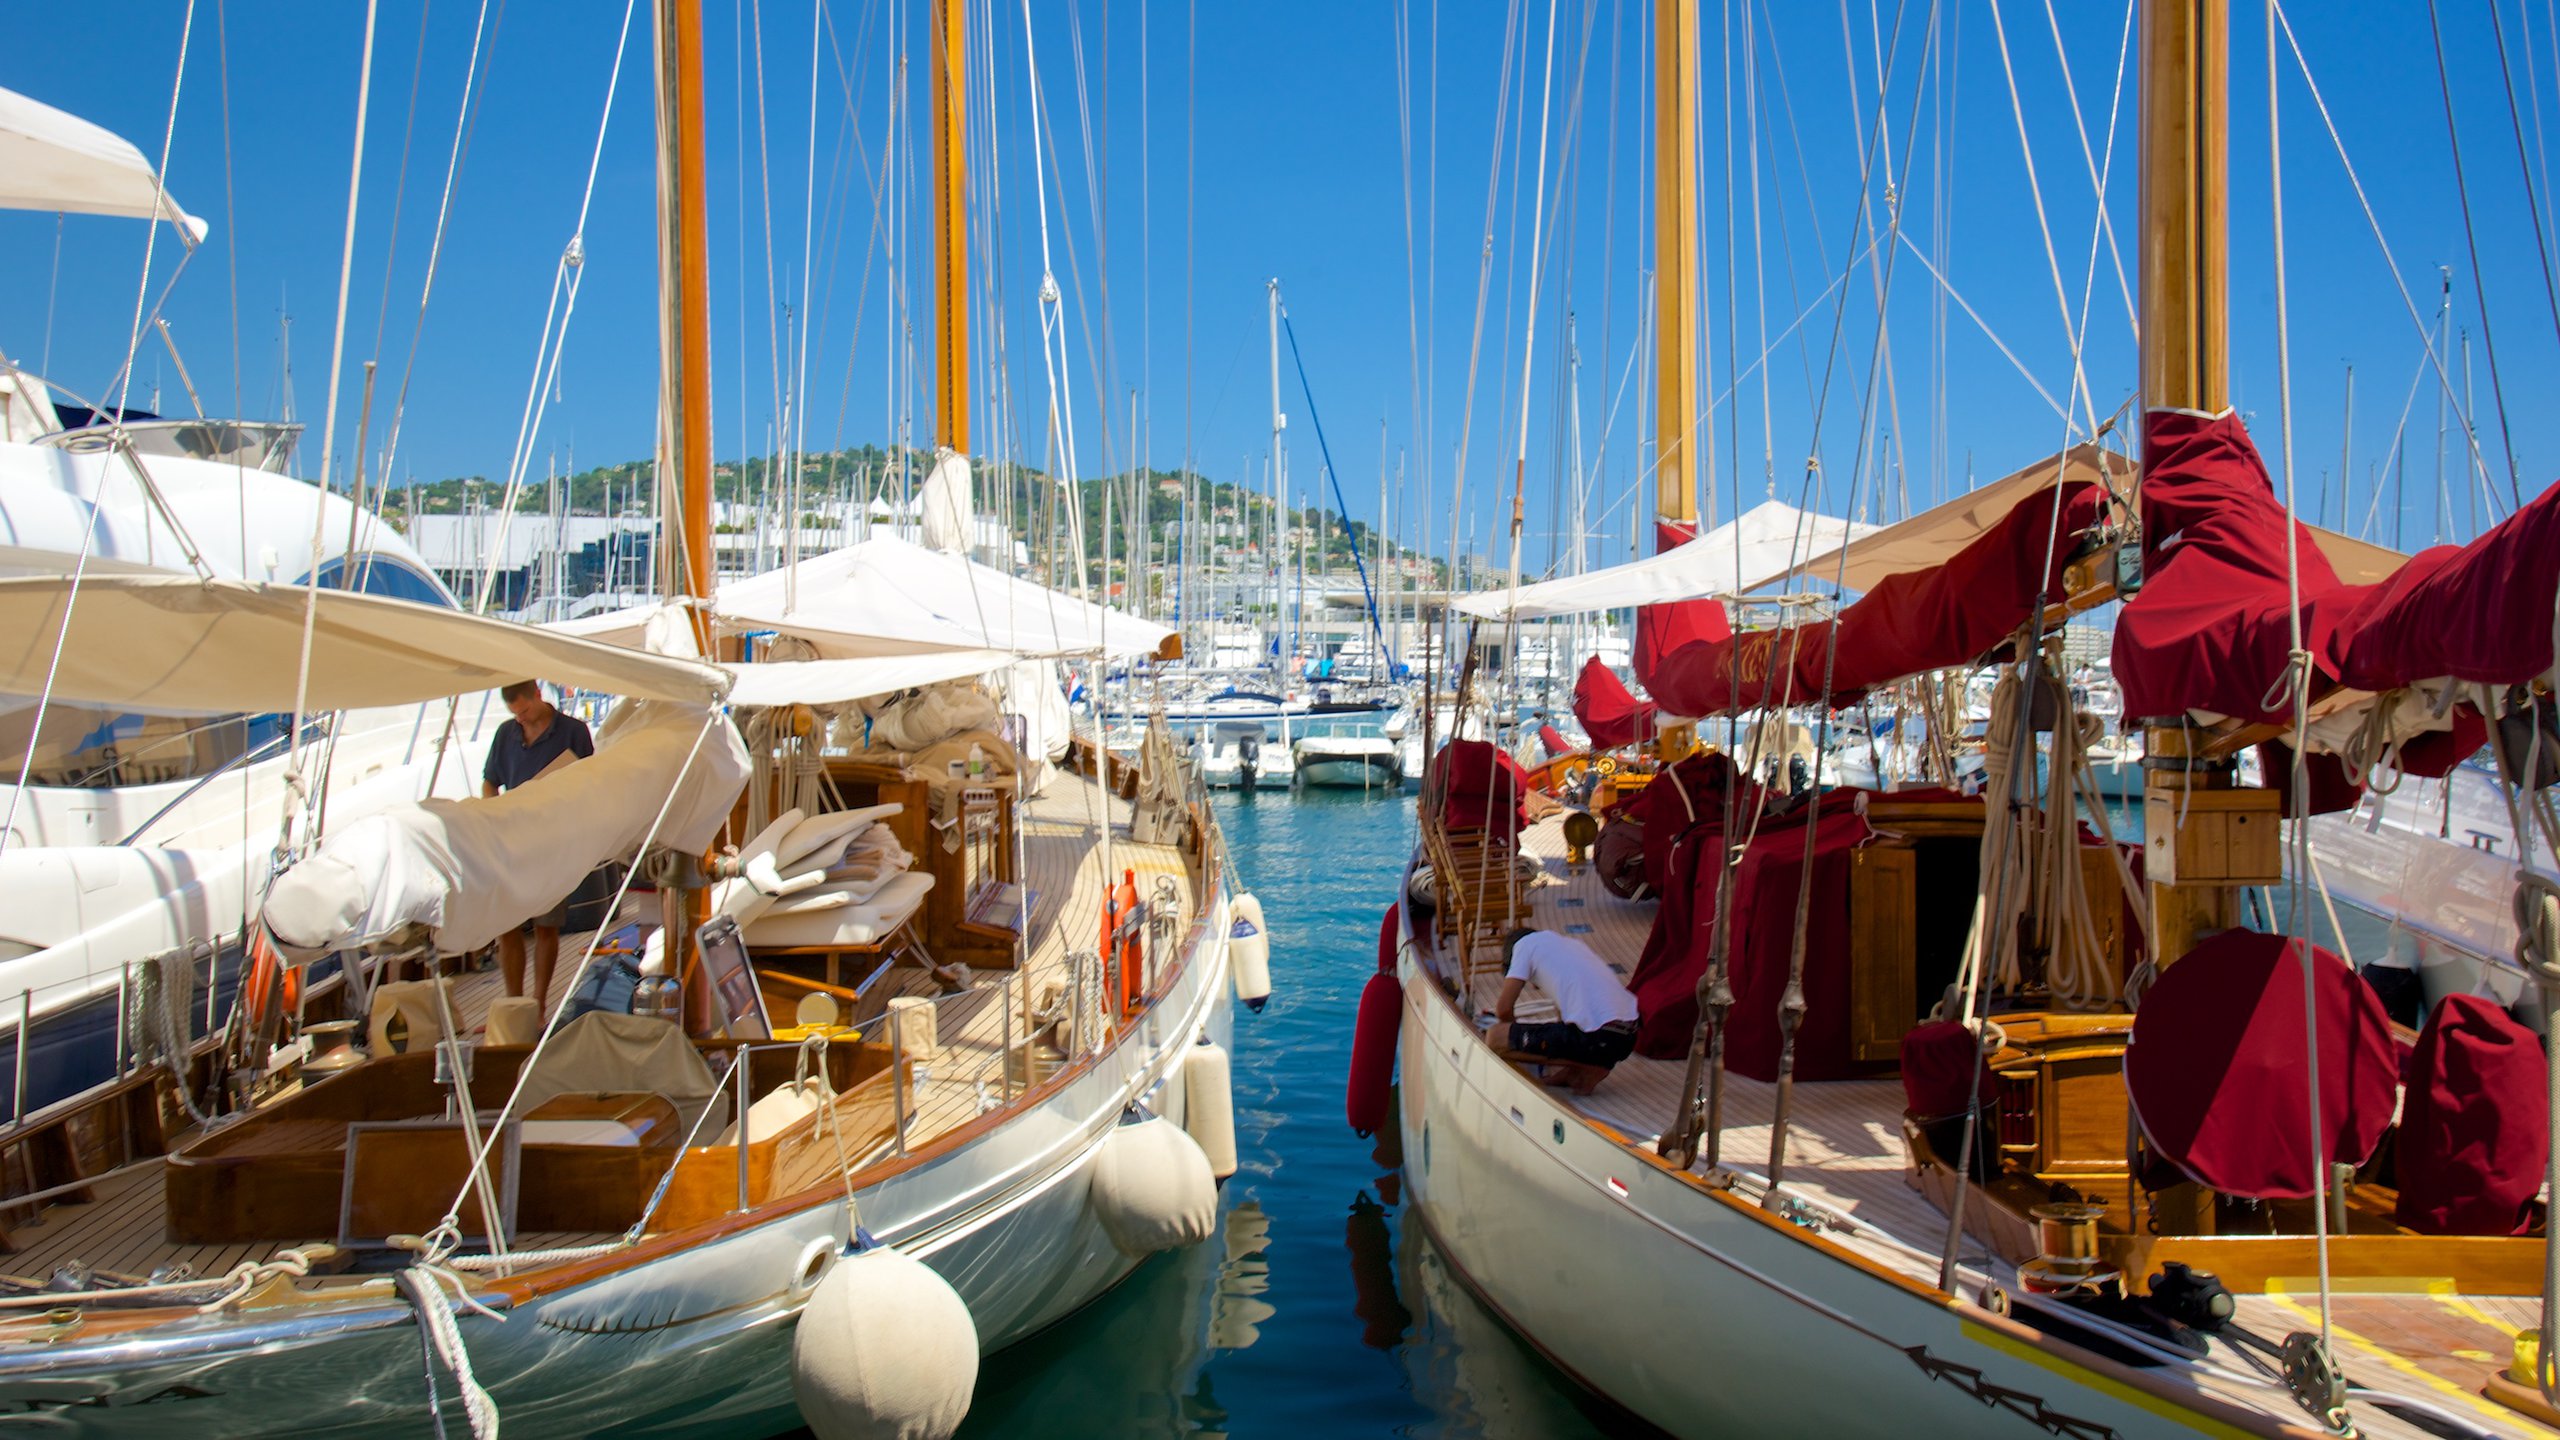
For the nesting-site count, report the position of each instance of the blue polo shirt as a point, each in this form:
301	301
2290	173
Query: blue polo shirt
512	762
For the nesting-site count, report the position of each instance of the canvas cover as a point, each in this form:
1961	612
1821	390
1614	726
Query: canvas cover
885	595
2218	1065
471	870
2212	629
2475	1128
1765	885
1479	787
1735	558
1929	619
55	161
1609	713
604	1053
177	644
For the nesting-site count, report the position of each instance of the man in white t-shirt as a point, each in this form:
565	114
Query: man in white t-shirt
1595	1024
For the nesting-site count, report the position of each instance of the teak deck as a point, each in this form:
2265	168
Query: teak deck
2415	1335
120	1224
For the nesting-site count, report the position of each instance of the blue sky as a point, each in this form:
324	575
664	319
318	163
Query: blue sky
1278	151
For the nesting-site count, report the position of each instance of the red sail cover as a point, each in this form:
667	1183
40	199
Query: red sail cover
1479	787
2211	629
2219	1075
1662	630
1610	714
2475	1130
1920	620
1765	883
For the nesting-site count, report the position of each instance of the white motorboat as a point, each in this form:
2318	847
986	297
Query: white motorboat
139	832
1350	762
1240	755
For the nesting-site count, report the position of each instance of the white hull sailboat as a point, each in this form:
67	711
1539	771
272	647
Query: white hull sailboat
908	1068
1930	1131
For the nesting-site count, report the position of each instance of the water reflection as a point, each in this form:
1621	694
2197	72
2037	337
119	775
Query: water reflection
1318	1310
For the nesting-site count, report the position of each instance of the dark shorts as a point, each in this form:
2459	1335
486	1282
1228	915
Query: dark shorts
1574	1045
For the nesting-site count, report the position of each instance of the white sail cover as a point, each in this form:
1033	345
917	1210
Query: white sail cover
886	596
177	644
53	160
471	870
950	510
1734	558
890	597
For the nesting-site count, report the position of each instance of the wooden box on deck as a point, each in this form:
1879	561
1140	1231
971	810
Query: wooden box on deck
2067	1072
2213	837
947	904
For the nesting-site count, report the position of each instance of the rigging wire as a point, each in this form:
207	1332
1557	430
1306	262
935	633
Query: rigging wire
2471	238
2297	686
293	776
2373	222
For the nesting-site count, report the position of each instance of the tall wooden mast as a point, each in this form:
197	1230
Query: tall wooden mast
2186	343
685	561
684	315
1675	262
951	224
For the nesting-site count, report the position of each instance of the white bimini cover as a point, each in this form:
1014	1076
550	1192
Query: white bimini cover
54	160
1732	559
177	644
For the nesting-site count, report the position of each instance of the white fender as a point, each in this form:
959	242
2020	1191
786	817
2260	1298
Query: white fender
1152	1187
885	1350
1249	951
1209	1105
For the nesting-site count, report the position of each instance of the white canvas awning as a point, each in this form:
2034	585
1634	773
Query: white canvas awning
887	596
1764	542
838	682
178	644
53	160
1927	539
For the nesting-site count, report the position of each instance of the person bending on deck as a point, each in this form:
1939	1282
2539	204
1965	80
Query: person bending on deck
523	748
1595	1024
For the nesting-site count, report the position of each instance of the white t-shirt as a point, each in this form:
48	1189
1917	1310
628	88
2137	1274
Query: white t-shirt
1585	989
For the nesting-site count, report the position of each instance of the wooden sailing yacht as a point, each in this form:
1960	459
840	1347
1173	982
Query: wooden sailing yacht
2143	1169
911	1071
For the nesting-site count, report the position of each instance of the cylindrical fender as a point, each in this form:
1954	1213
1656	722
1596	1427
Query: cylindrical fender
1249	951
1373	1054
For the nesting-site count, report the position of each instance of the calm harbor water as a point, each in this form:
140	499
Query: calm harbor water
1320	1311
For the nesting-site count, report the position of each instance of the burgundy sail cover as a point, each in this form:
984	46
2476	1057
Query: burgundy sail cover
1920	620
1661	630
2475	1131
1480	787
2212	628
1551	740
2218	1069
1765	882
1610	714
1943	1071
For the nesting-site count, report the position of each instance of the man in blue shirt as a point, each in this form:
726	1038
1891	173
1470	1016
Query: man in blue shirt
523	748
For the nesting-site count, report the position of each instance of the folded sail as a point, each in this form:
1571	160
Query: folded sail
1950	614
2212	629
471	870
